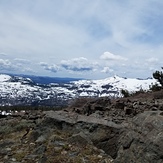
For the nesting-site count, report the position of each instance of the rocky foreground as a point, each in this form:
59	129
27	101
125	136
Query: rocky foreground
95	130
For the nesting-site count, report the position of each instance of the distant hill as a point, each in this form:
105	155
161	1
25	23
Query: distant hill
46	79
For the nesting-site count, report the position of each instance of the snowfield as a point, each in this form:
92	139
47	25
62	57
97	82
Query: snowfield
4	78
15	90
117	83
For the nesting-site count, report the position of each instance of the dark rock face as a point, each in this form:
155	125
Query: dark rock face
143	140
102	133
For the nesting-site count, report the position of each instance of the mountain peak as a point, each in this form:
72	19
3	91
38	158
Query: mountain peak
17	90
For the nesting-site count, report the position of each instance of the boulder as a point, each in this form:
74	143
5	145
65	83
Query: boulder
102	133
138	139
143	140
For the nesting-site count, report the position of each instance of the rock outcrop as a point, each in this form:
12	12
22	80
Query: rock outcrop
135	140
92	130
102	133
143	139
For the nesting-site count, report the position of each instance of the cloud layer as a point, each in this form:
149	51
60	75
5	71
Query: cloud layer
76	38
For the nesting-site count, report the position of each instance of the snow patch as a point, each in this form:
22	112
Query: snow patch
4	78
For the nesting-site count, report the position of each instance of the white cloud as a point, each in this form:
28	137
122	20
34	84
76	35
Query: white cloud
6	65
29	70
44	64
15	66
107	70
112	57
3	54
152	60
52	68
77	65
80	64
23	61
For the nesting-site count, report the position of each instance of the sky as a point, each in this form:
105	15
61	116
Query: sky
90	39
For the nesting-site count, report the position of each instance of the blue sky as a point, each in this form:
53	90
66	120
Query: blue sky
81	38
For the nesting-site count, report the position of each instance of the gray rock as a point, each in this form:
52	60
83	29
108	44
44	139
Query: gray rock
41	139
143	141
40	150
103	133
6	143
61	117
73	154
79	139
43	159
35	134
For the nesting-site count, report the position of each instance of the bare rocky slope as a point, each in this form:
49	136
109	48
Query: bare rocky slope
90	130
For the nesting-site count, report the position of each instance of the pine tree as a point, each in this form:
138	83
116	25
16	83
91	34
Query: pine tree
158	75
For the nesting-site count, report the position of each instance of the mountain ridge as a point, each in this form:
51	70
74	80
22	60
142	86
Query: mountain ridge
18	90
45	79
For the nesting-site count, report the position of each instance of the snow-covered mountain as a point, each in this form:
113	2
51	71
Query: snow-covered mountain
17	90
